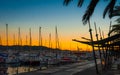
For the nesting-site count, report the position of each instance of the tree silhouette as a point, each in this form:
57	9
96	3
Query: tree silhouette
91	7
116	28
116	12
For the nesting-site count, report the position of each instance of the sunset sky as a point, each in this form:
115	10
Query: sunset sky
47	14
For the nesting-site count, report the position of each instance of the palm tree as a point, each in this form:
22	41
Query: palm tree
115	28
91	8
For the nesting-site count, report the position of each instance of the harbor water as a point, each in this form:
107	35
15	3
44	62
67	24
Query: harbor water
21	69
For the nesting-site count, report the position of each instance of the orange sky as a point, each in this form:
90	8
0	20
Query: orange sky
65	42
48	14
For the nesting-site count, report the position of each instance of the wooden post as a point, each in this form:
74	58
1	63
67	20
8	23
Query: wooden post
102	47
90	30
110	48
98	45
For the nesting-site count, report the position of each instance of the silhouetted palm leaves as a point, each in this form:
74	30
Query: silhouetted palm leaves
116	12
118	20
91	8
80	2
109	8
115	29
89	11
66	2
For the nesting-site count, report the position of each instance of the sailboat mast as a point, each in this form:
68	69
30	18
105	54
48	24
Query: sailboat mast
30	37
40	37
103	34
50	40
18	36
21	41
30	43
13	39
26	39
56	36
57	39
0	41
7	35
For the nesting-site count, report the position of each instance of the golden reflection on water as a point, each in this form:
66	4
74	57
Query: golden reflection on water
103	62
14	70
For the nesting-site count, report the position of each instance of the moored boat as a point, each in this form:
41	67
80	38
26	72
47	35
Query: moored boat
3	65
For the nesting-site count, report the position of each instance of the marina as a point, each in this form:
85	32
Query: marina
20	62
44	37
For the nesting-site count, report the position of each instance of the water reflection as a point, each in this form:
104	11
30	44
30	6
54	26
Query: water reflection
21	69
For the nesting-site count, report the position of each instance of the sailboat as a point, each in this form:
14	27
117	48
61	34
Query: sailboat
3	56
13	57
57	57
3	65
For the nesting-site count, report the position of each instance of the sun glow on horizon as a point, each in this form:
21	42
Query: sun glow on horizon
65	43
48	14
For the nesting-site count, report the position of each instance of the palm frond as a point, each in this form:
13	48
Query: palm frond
117	7
80	2
66	2
116	11
105	0
109	8
118	20
115	28
89	11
